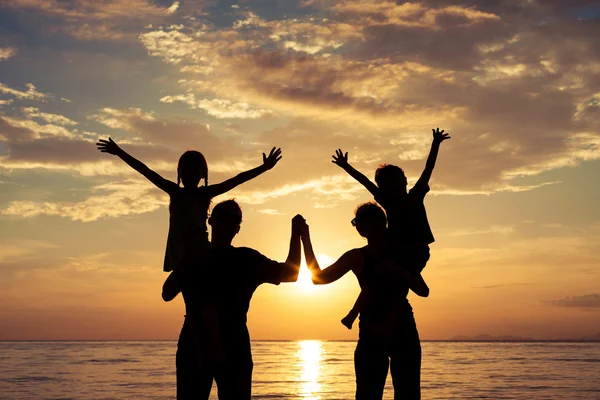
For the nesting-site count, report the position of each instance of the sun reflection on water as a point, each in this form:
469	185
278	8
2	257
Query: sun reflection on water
310	357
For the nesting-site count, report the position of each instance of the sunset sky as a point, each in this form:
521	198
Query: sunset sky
515	198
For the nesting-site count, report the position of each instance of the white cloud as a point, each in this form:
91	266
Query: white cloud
7	52
173	7
109	200
33	112
269	211
32	93
121	118
219	108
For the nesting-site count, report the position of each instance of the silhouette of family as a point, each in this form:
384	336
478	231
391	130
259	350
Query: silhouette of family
217	280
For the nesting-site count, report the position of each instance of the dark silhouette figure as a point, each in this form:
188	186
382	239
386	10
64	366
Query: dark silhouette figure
187	241
232	276
390	284
409	231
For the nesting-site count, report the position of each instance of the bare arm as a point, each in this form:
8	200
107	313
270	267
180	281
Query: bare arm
335	271
438	138
268	163
173	284
110	147
341	160
291	267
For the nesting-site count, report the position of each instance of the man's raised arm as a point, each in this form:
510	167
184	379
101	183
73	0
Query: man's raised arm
291	267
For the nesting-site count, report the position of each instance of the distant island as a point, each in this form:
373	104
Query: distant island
510	338
490	338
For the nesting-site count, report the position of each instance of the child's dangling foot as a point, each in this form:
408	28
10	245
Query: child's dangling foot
349	319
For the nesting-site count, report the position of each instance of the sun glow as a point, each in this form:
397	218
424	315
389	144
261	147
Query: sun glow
305	279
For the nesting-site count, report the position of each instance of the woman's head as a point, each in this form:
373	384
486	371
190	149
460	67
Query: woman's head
191	169
369	220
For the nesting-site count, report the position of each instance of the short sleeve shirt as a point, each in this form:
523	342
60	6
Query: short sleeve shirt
230	277
407	217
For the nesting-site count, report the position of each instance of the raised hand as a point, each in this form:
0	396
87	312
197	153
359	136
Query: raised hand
340	158
273	158
440	136
108	146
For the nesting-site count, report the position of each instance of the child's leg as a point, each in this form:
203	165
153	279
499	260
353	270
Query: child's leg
349	319
359	305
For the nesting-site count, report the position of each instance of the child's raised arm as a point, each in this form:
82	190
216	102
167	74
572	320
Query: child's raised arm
110	147
438	138
268	163
341	159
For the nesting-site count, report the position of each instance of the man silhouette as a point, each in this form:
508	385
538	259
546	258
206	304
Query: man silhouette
229	281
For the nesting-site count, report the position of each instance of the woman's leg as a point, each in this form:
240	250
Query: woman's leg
405	354
371	367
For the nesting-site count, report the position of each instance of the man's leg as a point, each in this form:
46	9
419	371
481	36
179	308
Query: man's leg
405	356
371	367
193	381
234	380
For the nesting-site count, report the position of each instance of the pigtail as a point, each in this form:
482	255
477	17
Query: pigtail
206	179
178	179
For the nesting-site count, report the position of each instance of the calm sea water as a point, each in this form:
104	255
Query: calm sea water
300	370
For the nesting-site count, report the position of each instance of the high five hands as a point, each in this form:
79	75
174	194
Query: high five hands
299	226
440	136
272	159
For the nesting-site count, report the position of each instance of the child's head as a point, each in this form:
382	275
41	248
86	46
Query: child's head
369	220
391	179
191	169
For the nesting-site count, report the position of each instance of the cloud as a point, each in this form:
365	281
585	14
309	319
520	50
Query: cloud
7	52
501	285
22	250
6	102
110	200
33	112
31	94
150	129
517	100
93	20
269	211
219	108
588	301
173	7
503	230
335	188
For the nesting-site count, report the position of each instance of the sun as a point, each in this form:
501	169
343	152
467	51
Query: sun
304	278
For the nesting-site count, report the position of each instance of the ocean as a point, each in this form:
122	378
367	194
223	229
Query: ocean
300	370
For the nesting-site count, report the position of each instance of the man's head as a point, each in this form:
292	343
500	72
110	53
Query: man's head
225	220
369	220
391	179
